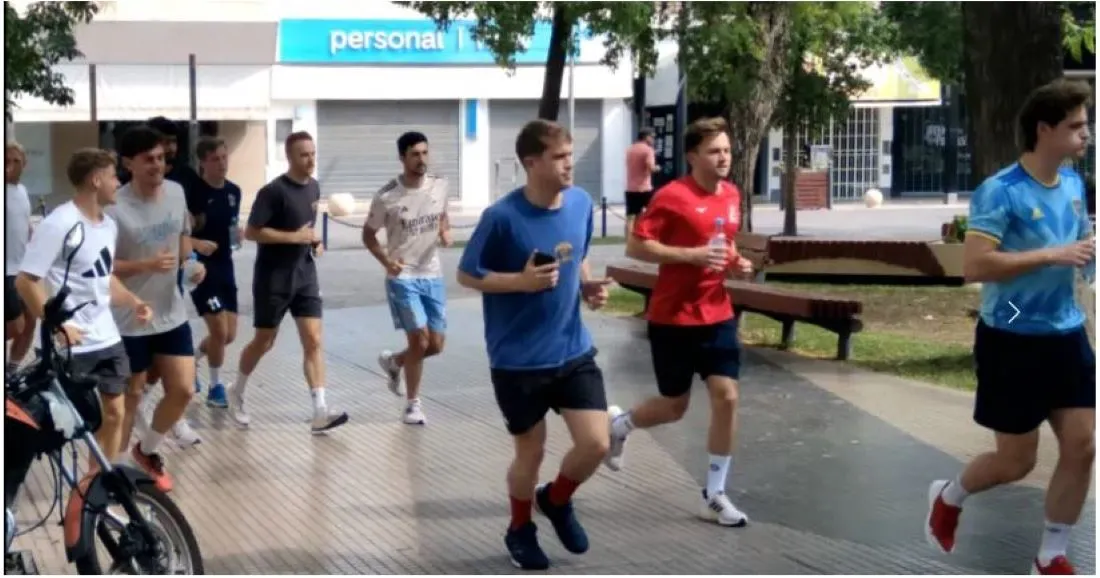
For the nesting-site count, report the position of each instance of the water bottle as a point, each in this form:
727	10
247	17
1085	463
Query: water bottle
189	269
718	240
234	235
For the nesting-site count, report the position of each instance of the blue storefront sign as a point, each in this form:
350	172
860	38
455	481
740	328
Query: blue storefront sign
394	42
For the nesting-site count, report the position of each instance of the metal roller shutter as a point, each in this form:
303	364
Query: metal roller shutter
357	142
507	117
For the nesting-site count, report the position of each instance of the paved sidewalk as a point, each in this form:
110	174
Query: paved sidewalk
832	467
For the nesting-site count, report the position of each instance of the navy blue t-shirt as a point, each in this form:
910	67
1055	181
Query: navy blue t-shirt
525	331
214	210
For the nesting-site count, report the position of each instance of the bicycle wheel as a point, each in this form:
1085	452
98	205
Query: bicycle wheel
178	550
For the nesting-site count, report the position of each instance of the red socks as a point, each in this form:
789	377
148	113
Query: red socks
521	512
562	489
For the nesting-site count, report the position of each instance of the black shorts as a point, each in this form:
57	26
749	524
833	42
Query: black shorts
1023	378
110	367
524	396
275	293
142	349
13	305
636	202
218	291
680	352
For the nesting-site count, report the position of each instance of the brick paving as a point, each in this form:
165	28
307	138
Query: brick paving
831	485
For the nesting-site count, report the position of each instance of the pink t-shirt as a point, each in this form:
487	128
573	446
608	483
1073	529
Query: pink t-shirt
639	157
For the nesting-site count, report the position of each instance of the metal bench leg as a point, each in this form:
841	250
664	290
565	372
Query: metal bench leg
844	345
788	334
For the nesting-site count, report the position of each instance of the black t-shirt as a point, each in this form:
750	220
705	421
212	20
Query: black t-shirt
215	209
284	205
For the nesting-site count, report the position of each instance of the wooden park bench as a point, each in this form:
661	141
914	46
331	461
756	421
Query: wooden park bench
786	306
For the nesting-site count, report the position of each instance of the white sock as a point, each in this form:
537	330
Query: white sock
242	381
1055	542
151	442
717	473
214	376
622	425
318	398
954	494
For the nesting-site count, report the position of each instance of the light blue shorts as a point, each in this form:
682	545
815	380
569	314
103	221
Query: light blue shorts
418	303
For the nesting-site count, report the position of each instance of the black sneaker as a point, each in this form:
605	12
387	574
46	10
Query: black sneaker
569	530
524	550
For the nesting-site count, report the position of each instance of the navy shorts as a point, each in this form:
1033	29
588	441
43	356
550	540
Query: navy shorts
525	395
142	349
680	352
13	305
1023	378
218	291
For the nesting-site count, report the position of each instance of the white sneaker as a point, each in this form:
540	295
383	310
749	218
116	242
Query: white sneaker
184	435
414	414
614	458
393	371
235	396
718	508
324	421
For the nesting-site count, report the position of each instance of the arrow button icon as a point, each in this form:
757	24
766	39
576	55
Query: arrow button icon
1016	310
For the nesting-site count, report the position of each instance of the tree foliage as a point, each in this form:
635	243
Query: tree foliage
504	27
34	42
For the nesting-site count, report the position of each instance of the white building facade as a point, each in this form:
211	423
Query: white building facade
354	74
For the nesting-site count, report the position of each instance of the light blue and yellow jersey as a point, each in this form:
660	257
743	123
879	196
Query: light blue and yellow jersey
1021	214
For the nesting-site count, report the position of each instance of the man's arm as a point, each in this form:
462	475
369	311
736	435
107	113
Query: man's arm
651	161
472	272
124	269
375	221
643	244
121	296
983	262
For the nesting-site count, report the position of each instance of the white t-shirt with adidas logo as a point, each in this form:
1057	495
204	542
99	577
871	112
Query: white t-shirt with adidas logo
89	276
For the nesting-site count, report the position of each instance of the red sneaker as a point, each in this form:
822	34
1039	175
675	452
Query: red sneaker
154	466
1058	565
943	519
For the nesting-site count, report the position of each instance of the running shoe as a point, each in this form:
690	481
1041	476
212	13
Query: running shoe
523	548
719	509
392	370
568	529
414	413
215	397
324	421
153	464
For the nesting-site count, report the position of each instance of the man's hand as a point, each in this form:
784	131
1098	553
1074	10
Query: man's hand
163	262
70	335
741	267
394	268
318	248
204	247
538	278
1075	254
716	258
306	235
445	239
199	274
595	293
142	312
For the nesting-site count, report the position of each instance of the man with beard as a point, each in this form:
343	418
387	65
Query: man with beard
285	278
413	210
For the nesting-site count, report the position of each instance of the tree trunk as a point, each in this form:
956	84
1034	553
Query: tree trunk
751	115
790	173
1010	49
560	31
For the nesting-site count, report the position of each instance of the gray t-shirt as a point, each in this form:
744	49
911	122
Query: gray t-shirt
145	228
411	218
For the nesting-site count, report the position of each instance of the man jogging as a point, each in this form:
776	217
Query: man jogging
688	230
154	225
97	349
413	210
18	321
215	206
641	163
285	278
528	256
1029	234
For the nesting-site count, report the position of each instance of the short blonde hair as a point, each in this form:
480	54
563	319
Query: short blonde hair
14	147
86	161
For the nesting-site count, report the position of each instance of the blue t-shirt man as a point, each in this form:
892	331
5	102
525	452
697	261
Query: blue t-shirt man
529	331
1015	210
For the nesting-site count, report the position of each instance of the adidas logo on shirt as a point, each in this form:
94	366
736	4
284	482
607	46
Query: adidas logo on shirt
102	266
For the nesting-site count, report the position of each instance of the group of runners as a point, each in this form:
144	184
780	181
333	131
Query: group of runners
528	256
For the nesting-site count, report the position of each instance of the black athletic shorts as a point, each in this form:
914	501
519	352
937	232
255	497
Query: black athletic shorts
13	305
680	352
524	396
274	293
1023	378
110	367
143	348
218	291
636	202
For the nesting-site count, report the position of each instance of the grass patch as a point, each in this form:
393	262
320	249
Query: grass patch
596	240
921	333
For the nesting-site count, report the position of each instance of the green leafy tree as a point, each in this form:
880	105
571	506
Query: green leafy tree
503	27
35	40
998	52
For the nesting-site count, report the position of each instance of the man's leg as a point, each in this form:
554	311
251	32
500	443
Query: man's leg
1069	486
110	368
21	344
14	323
174	358
306	308
409	316
720	366
139	354
213	346
268	312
